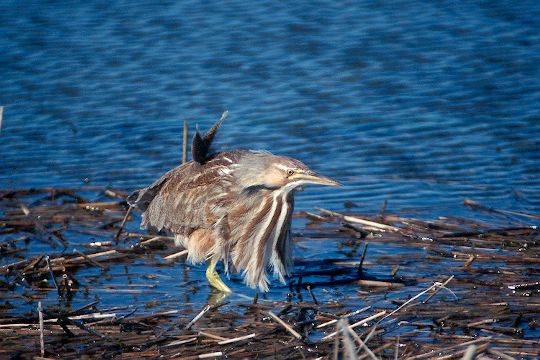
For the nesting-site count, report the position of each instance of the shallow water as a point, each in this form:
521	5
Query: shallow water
418	104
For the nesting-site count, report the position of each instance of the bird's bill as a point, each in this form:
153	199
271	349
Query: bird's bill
314	179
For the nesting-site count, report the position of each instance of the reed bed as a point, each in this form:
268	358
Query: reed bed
457	288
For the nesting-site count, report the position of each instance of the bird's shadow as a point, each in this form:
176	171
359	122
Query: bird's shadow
324	273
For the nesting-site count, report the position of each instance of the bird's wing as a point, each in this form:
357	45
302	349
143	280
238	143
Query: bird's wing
142	198
189	197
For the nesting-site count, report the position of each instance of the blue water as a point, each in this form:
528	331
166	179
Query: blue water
421	104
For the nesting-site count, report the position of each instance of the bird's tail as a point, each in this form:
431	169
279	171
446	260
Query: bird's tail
141	198
133	197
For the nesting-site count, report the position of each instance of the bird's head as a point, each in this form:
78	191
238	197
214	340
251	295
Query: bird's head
263	170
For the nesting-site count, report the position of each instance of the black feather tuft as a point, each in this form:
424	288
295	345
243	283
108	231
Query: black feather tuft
200	146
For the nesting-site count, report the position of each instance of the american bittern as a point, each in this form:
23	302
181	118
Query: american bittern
232	206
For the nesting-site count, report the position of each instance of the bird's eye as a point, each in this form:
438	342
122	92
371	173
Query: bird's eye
290	172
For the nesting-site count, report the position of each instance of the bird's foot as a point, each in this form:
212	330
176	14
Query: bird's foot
215	281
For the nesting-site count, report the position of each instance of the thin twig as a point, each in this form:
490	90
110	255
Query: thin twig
363	257
435	285
383	208
371	333
48	259
33	264
128	212
310	291
82	326
438	289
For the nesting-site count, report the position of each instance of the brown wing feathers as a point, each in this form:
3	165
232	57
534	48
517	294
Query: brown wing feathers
200	151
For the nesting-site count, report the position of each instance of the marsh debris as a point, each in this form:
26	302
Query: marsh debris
443	288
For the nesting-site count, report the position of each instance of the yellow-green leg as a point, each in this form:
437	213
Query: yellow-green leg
214	279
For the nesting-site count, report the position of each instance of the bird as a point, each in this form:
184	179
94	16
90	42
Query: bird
231	206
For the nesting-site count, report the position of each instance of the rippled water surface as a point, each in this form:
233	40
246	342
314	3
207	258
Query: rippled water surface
421	104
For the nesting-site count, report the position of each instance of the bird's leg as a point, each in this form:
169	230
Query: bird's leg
213	277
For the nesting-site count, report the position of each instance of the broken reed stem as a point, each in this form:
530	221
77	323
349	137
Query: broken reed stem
346	316
240	338
470	354
336	348
349	351
435	285
383	208
199	315
477	206
185	142
180	342
361	343
310	291
285	325
438	289
211	355
500	354
94	255
93	316
41	335
176	255
212	336
156	238
355	219
128	212
48	260
362	258
358	323
93	262
449	348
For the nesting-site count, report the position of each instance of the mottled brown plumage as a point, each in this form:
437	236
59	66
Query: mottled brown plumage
234	206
